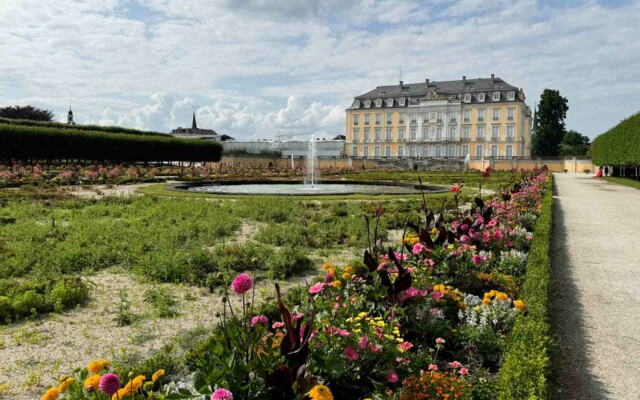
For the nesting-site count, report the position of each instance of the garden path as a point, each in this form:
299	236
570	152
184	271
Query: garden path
595	301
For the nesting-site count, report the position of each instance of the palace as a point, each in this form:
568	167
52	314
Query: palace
482	118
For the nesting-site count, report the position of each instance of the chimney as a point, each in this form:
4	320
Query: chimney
492	78
400	84
464	79
427	82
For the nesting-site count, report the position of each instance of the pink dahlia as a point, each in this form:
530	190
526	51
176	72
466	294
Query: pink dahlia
242	283
222	394
351	353
477	260
259	319
464	371
109	383
417	248
362	343
392	377
455	364
329	277
317	288
440	340
433	367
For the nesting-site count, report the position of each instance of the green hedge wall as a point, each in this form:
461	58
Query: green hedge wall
620	145
46	143
111	129
526	363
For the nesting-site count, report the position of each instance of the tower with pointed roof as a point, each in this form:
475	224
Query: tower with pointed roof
193	123
70	117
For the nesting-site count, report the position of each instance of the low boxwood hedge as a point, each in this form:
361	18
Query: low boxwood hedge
526	363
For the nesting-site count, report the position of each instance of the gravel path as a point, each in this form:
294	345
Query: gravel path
595	297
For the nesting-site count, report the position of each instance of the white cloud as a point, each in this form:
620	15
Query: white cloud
254	67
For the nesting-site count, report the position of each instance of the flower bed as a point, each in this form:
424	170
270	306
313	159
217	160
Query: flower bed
430	317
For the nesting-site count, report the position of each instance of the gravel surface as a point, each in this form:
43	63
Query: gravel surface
595	301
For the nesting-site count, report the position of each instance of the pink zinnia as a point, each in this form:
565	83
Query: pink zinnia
392	377
363	342
404	346
351	353
259	319
464	227
465	239
440	340
437	295
477	260
329	277
277	325
464	371
417	248
317	288
455	364
242	283
222	394
433	367
109	383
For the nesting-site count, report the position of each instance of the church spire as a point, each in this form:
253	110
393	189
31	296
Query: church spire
70	117
193	123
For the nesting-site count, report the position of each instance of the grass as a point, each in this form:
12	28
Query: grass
623	181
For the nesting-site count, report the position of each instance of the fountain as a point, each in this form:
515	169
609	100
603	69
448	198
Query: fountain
467	161
313	172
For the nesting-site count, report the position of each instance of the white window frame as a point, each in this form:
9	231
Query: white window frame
387	151
479	151
389	119
356	119
401	133
496	96
367	119
365	151
467	97
466	131
376	151
481	97
378	119
495	131
367	103
466	116
438	151
401	101
356	104
389	102
511	113
451	151
412	151
367	135
400	151
389	134
508	152
465	150
480	132
377	134
452	132
496	152
354	151
495	114
481	115
356	134
511	96
378	103
401	118
511	129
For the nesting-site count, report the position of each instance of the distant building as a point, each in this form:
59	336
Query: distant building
484	117
197	133
70	117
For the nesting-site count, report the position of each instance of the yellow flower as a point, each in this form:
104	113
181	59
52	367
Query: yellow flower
332	271
493	293
462	306
348	269
326	266
486	301
156	375
320	392
434	230
63	387
97	366
519	304
69	380
502	296
51	394
346	276
337	284
92	381
137	382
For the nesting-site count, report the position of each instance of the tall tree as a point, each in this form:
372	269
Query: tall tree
550	129
26	112
574	144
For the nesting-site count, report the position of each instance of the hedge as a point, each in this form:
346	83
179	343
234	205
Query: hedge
526	363
61	125
47	143
620	145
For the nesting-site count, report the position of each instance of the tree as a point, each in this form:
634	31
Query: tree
26	112
550	129
574	144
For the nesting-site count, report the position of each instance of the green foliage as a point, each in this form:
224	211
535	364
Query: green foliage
20	299
550	131
619	145
124	316
526	364
99	128
163	301
51	143
574	144
26	113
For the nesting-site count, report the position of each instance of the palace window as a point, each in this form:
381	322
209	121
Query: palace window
438	151
496	96
509	151
510	113
401	101
510	129
495	132
354	151
378	103
387	151
452	132
389	130
378	119
376	151
366	134
400	133
494	150
480	132
511	95
479	151
467	98
389	102
451	151
356	134
465	150
366	119
480	97
496	114
389	119
377	134
480	115
367	103
401	118
466	132
356	104
466	116
400	151
356	119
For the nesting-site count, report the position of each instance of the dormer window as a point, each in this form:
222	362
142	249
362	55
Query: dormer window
356	104
367	103
512	96
467	98
389	102
481	97
496	96
401	101
378	103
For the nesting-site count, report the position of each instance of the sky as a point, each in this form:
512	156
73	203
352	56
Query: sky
258	68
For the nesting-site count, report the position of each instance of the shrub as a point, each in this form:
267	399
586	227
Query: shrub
288	262
619	145
163	301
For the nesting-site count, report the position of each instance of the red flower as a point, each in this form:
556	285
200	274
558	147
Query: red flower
351	353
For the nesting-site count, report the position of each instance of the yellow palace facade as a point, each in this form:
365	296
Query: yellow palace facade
485	118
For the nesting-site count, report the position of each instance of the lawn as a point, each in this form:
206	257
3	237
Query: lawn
624	181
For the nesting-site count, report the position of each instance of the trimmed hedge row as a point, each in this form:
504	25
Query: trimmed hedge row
44	143
111	129
620	145
527	361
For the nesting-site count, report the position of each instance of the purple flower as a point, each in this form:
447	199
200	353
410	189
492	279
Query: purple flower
222	394
259	319
109	383
392	377
242	283
477	260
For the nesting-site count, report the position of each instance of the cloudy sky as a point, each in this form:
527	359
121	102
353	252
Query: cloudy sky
253	68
